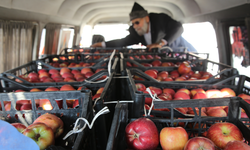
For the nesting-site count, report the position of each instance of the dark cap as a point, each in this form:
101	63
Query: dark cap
137	12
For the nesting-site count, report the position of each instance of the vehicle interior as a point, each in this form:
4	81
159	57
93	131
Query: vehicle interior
71	23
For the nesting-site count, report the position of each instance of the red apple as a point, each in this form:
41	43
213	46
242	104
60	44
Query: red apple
26	107
44	74
216	112
163	74
180	79
182	95
147	65
157	90
173	138
67	74
199	143
89	74
63	70
52	121
85	70
168	79
51	89
167	64
184	90
41	134
151	73
223	132
140	87
244	96
96	96
67	87
41	70
19	126
169	90
53	71
227	92
142	134
128	64
156	63
100	90
165	96
184	68
200	95
33	75
45	104
35	90
236	145
213	93
194	91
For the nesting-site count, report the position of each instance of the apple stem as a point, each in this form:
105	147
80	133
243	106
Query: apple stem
37	137
136	136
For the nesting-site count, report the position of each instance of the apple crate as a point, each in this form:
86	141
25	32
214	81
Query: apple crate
98	50
101	125
147	57
195	126
13	76
68	115
218	71
138	97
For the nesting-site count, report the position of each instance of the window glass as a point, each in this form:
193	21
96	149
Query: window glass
240	49
203	38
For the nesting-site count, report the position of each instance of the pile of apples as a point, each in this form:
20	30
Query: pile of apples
168	94
70	65
44	130
142	133
62	75
144	57
183	73
45	103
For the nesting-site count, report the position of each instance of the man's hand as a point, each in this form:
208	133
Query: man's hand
155	45
97	45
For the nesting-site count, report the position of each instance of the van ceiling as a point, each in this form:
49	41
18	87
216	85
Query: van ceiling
91	12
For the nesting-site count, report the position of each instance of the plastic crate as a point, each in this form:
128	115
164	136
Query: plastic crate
138	97
103	123
9	77
110	92
68	116
218	70
195	126
89	50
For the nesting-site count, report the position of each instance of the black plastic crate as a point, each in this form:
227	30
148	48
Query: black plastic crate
99	50
195	126
101	125
10	77
68	116
138	97
219	71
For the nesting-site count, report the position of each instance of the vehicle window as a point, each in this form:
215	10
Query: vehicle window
203	38
240	48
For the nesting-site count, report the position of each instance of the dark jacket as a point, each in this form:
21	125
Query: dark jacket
162	27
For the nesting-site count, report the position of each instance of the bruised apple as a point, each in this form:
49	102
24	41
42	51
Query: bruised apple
52	121
142	134
41	134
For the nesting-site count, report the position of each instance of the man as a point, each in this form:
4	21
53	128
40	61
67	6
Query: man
153	30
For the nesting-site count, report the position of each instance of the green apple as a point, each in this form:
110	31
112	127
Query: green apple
41	134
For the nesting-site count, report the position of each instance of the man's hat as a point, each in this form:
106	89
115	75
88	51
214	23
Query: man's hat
137	12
